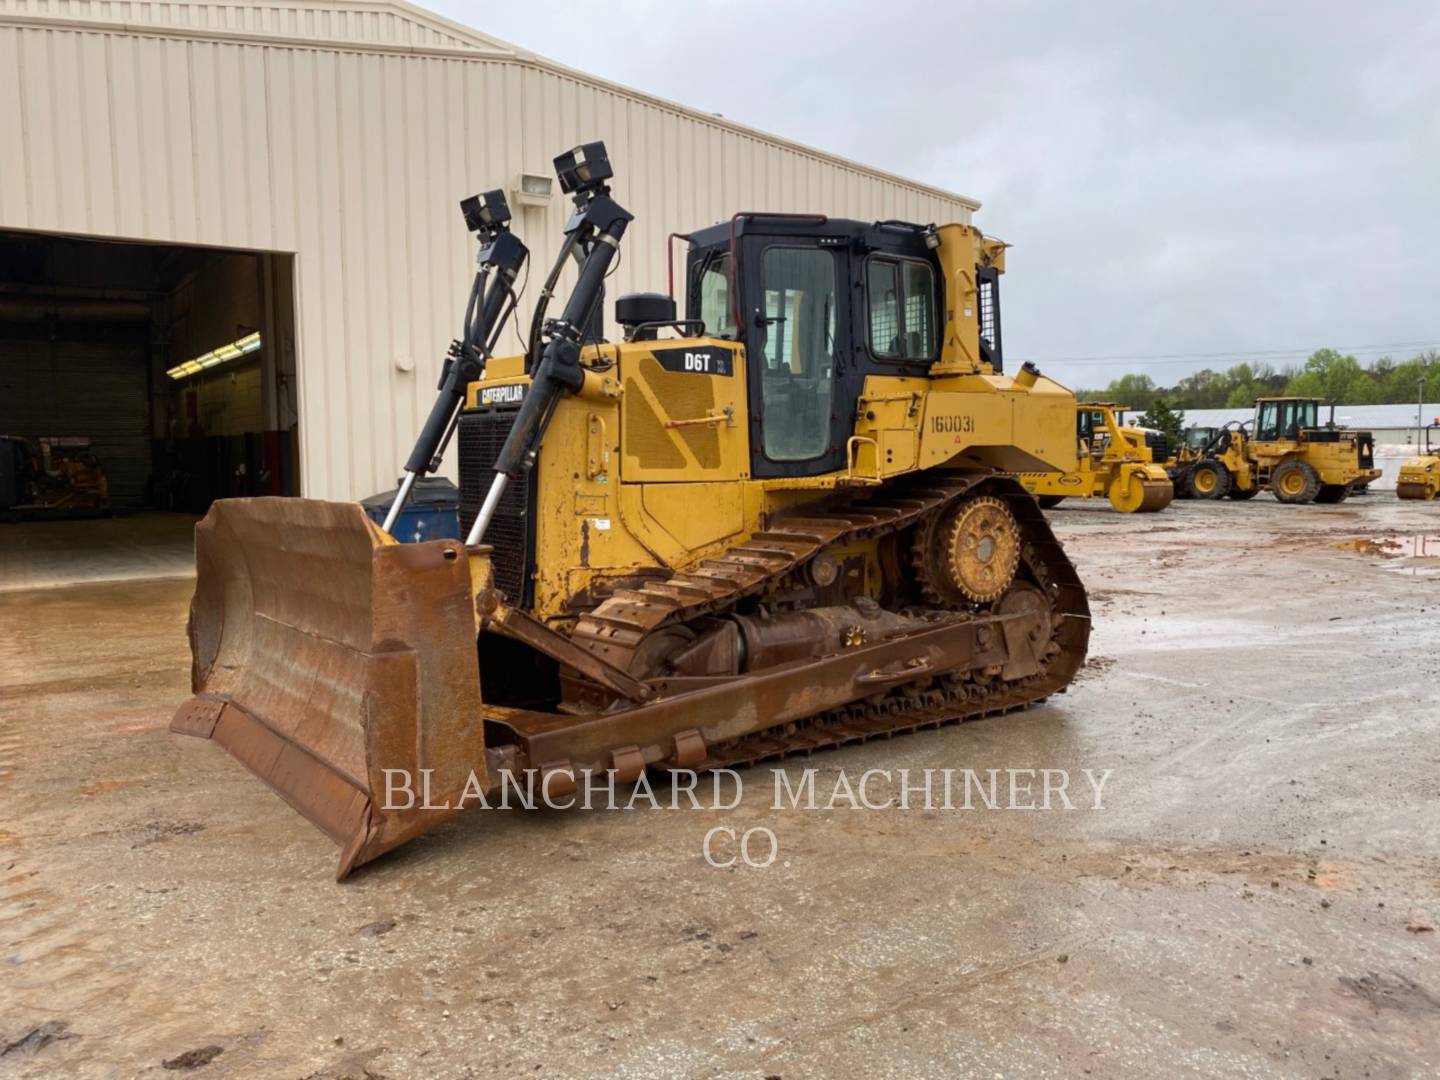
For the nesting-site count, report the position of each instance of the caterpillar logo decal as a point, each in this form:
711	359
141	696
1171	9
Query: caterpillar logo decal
502	395
705	360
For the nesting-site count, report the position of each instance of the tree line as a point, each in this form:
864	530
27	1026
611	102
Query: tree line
1327	374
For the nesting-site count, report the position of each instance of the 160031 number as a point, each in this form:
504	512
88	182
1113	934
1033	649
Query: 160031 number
953	425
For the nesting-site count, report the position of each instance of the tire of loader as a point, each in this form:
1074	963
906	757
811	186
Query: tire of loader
1208	480
1332	493
1295	482
1049	502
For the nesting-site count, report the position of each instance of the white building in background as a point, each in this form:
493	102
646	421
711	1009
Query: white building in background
332	141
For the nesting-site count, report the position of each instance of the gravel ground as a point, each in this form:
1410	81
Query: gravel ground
1258	896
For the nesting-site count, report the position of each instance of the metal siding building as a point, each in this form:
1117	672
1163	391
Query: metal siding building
345	132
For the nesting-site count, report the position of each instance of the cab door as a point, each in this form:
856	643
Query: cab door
797	335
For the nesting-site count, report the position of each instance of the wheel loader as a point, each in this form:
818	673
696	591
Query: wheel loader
1110	461
1285	450
1191	449
1420	475
784	521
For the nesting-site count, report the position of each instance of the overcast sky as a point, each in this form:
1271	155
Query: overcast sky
1249	179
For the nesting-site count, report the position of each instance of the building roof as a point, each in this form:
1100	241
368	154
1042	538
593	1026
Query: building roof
369	25
1365	417
354	22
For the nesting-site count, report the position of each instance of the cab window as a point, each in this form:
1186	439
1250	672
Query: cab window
1267	424
715	308
902	309
797	357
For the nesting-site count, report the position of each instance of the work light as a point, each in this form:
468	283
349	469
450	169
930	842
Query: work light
485	212
583	169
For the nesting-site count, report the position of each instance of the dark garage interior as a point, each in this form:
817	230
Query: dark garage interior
139	383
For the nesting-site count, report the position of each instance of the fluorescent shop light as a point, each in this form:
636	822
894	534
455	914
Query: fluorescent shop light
224	354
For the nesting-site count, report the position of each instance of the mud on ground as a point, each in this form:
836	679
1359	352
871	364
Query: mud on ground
1259	896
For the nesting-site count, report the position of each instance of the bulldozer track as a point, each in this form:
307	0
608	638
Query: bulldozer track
616	628
904	710
932	702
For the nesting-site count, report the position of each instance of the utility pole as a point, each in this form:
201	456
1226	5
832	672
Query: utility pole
1420	413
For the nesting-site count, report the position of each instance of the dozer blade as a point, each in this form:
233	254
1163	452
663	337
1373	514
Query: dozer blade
324	654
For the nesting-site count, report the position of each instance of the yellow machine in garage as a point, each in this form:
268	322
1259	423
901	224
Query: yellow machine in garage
782	522
1285	450
1420	475
1111	461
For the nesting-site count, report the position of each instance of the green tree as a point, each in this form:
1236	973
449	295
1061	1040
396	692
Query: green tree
1327	374
1402	381
1161	416
1359	389
1306	384
1242	397
1205	389
1337	373
1134	391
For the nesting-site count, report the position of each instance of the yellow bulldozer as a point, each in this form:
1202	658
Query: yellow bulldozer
1420	475
1111	461
1283	449
782	522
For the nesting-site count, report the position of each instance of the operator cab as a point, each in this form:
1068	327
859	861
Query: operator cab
1198	438
819	304
1091	430
1279	419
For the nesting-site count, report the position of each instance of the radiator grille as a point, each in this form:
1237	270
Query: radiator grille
1159	446
482	434
682	396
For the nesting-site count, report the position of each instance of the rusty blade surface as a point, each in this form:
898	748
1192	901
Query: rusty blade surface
323	655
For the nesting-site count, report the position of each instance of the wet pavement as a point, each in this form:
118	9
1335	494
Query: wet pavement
1258	896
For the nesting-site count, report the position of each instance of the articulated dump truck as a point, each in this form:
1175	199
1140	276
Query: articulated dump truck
785	521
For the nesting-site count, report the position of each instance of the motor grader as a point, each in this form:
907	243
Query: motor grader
1111	461
1420	475
784	521
1285	450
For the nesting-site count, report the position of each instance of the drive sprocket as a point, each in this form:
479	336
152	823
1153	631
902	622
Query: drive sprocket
968	554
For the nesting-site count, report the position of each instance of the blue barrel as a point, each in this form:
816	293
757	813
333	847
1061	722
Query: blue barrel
433	512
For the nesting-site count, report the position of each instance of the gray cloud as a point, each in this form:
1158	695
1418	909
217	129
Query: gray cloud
1175	178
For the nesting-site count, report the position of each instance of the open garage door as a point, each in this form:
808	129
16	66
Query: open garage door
142	376
139	382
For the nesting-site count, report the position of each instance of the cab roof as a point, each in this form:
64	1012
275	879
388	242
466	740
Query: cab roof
904	237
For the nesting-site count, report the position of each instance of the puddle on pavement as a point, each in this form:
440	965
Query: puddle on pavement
1417	555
